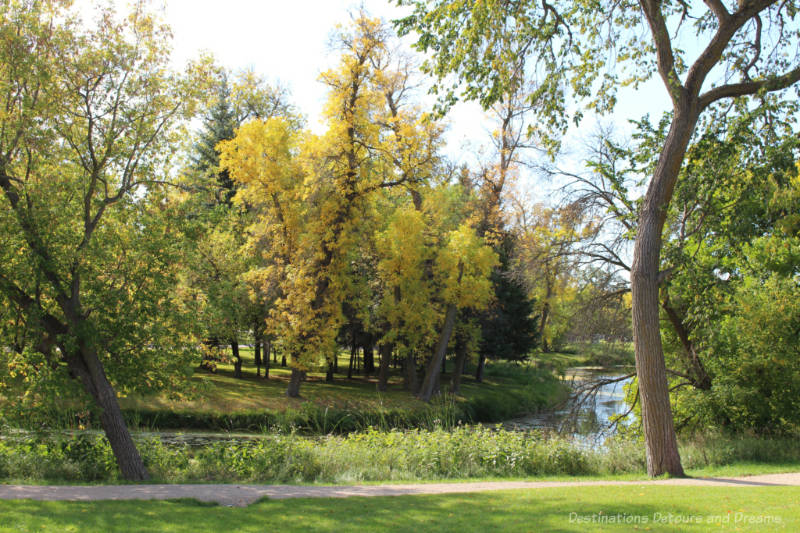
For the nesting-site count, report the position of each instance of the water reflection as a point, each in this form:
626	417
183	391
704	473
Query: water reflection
587	417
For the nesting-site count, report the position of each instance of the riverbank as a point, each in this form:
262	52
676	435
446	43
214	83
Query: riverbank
462	453
255	404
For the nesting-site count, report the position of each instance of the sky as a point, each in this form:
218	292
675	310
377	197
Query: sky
286	41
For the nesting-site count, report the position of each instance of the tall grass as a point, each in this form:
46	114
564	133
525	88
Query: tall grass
459	453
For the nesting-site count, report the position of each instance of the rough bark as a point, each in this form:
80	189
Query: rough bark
687	103
87	367
660	440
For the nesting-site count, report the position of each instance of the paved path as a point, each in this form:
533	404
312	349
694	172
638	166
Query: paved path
242	495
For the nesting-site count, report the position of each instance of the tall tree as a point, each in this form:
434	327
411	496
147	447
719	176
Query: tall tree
588	45
84	131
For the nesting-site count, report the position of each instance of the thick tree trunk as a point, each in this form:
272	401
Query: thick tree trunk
435	365
329	373
385	352
336	362
237	359
461	358
297	377
660	440
88	368
479	370
283	361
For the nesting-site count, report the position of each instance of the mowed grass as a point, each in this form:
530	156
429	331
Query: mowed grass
222	392
630	508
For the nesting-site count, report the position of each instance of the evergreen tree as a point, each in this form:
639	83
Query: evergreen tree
509	329
219	125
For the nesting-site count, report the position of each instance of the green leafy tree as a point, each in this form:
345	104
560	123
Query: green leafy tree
589	50
89	116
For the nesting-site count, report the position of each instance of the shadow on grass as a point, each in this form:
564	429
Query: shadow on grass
578	509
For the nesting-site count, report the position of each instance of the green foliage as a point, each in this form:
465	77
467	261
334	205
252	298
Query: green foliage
509	329
461	452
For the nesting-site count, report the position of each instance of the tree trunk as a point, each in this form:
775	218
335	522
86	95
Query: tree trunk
283	360
88	368
461	357
385	352
237	360
336	362
369	358
410	377
297	377
267	350
329	373
435	365
659	432
353	352
257	357
694	366
479	370
542	325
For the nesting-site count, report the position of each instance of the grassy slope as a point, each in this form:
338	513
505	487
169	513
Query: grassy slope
603	354
503	394
520	510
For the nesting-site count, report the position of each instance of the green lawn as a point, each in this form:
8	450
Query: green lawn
646	508
506	391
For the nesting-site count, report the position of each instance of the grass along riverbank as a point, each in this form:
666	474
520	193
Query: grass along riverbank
225	403
377	456
651	508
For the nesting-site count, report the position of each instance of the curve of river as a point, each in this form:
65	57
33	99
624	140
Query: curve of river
589	420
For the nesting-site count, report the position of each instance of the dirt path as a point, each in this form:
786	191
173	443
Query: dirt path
242	495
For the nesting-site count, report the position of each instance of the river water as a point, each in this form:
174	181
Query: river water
588	419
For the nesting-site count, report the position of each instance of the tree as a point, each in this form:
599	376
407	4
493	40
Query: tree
316	202
84	135
509	329
217	265
580	43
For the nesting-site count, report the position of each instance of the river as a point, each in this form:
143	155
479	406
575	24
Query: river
588	420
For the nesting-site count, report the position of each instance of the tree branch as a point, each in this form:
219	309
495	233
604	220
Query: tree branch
750	87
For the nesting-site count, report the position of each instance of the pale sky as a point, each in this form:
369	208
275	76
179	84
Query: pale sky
286	41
